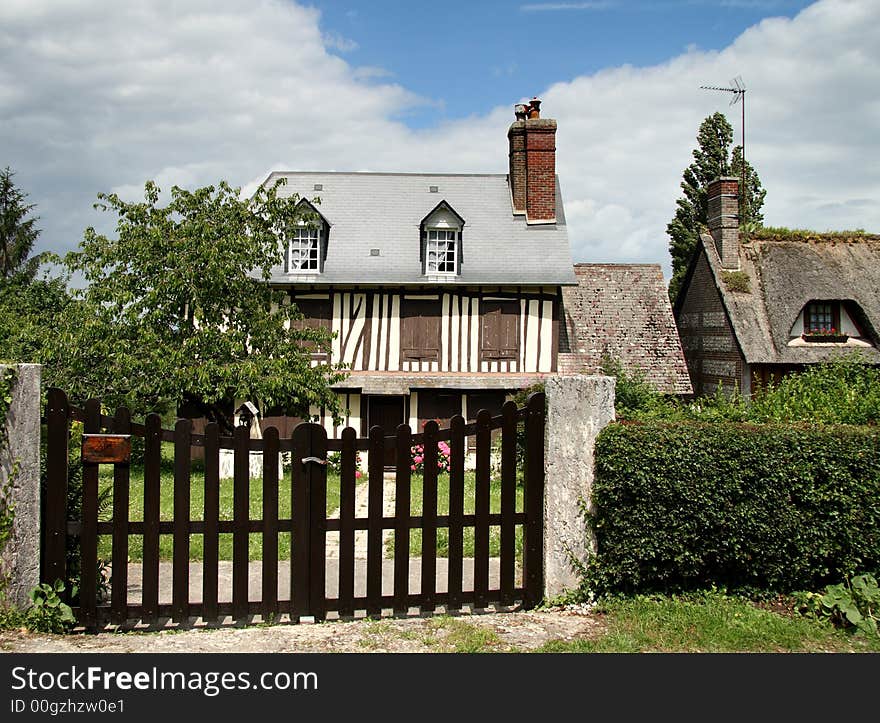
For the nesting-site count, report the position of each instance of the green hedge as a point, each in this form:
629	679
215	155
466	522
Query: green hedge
749	507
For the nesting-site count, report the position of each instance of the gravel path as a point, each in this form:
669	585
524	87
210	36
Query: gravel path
501	632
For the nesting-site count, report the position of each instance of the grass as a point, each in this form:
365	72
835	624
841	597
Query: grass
197	501
441	634
415	540
802	234
736	281
709	622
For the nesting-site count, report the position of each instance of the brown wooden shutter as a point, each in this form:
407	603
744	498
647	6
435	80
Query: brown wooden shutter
420	330
317	313
500	327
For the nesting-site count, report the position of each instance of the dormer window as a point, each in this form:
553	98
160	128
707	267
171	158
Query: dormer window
442	251
829	321
303	250
306	242
820	318
441	234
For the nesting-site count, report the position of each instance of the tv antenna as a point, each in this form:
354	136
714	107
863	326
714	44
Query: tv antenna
738	89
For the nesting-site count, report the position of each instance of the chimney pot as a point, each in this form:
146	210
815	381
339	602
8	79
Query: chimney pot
535	108
519	111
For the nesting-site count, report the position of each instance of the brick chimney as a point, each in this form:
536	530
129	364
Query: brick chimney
722	213
533	163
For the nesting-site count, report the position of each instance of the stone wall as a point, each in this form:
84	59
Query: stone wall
707	337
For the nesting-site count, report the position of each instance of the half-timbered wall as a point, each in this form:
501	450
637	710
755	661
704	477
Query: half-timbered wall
388	331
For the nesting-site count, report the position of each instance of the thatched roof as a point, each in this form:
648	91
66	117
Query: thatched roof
622	310
788	270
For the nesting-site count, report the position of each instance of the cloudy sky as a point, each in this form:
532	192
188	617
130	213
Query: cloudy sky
101	96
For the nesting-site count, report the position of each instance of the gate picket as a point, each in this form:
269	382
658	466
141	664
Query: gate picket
533	532
508	501
88	538
299	541
347	485
180	584
152	490
429	518
375	548
211	539
119	579
240	516
456	511
270	523
57	458
481	509
401	514
316	476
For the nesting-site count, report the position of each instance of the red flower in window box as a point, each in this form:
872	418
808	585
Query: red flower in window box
824	334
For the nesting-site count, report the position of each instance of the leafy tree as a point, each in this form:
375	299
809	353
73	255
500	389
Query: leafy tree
177	309
28	318
713	157
17	232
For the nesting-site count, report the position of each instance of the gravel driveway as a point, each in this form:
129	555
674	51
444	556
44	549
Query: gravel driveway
501	632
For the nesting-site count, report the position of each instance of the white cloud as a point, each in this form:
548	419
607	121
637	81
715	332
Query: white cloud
340	42
98	96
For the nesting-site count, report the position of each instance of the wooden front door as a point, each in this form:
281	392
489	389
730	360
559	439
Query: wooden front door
386	412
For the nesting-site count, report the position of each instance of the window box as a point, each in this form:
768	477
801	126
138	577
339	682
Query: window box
826	338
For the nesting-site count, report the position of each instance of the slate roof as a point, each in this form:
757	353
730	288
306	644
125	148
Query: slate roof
383	211
622	310
785	273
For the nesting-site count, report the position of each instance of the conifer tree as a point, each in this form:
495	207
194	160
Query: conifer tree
713	157
18	233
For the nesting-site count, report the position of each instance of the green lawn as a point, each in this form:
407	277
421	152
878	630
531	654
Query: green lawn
197	497
709	622
197	502
416	489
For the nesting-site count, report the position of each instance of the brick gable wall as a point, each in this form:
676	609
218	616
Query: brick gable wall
707	338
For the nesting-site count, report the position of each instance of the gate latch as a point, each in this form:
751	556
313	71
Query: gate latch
316	460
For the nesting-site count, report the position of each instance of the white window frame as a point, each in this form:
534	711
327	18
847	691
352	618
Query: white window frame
299	234
432	245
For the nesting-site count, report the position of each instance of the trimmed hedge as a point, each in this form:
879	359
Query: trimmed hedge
744	507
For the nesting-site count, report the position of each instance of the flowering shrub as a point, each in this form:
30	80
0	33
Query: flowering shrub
417	456
334	462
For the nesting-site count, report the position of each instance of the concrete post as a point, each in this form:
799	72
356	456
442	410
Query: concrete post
578	408
20	461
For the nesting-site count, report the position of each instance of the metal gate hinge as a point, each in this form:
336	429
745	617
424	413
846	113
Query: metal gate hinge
316	460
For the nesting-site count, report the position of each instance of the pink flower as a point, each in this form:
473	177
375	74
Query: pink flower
418	459
357	473
412	467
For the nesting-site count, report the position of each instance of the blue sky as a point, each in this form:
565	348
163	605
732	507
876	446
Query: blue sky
101	96
480	54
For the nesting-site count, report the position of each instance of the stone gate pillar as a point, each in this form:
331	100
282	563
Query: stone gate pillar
20	485
578	408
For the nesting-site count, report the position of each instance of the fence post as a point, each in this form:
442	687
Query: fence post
533	493
578	408
54	533
20	465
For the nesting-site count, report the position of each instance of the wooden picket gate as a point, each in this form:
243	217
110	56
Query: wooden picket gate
105	441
